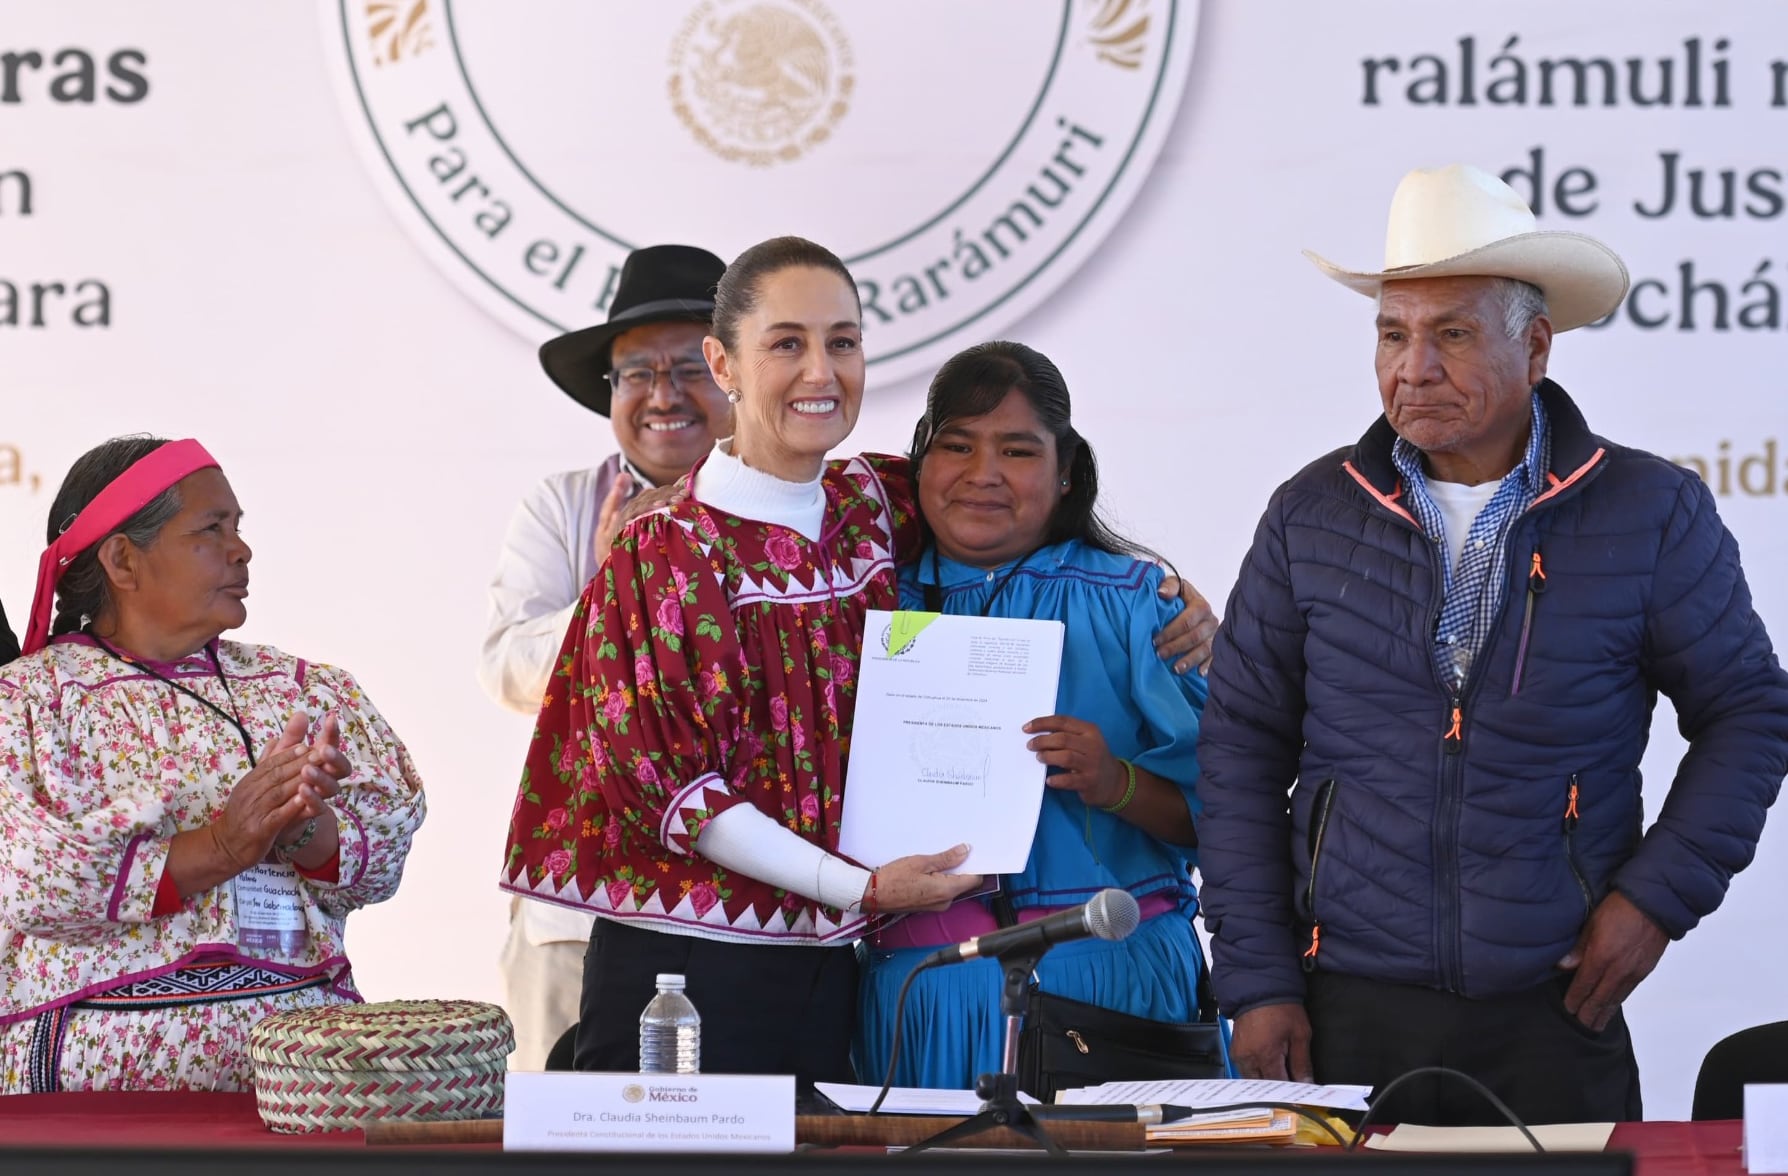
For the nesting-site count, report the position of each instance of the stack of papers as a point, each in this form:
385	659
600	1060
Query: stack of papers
1261	1127
1219	1092
905	1100
1245	1124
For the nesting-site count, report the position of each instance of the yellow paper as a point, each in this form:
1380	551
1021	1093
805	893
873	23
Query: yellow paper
1591	1137
1311	1135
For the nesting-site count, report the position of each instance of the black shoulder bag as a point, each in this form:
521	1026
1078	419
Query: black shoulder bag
1069	1043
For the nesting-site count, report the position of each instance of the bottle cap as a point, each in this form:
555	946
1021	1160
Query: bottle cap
670	980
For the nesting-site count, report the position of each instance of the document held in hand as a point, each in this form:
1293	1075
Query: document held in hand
938	753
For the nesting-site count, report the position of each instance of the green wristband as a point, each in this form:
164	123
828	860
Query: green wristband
1129	790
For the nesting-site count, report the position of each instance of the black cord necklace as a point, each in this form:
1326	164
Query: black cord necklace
934	591
231	716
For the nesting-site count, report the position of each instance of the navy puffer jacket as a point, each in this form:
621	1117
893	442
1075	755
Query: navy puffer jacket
1460	842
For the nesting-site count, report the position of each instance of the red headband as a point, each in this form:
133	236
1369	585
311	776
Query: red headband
124	496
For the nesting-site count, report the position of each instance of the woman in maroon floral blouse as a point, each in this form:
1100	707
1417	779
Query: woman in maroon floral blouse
686	773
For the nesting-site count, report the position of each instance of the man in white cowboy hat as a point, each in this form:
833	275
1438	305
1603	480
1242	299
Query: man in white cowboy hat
1446	644
643	370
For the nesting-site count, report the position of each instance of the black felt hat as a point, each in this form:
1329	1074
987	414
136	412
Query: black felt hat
659	284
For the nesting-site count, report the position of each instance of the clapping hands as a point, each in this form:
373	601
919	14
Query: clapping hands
289	787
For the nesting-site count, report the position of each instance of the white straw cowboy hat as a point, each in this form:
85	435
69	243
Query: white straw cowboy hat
1460	221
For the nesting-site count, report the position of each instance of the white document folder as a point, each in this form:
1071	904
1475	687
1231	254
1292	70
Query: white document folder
938	753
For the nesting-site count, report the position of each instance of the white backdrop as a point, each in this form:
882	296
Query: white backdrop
379	424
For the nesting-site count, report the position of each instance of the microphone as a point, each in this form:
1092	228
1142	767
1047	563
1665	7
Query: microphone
1109	914
1148	1114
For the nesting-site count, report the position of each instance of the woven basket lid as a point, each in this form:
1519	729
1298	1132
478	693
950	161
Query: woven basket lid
390	1035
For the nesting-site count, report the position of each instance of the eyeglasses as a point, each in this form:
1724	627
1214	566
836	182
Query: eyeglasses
687	378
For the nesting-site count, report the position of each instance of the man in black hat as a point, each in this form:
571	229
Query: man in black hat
643	369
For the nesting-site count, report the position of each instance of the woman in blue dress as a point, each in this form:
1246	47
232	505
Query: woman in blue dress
1007	490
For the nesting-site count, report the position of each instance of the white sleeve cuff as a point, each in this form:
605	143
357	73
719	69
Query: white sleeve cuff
841	883
747	840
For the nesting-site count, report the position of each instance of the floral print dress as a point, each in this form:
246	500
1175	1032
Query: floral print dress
103	764
712	663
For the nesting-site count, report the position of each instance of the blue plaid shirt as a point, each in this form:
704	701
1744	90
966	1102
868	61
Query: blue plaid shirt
1474	589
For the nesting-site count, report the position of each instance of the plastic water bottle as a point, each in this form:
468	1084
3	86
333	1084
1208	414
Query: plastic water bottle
670	1031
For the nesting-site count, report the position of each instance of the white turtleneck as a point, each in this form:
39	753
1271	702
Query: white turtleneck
738	489
744	838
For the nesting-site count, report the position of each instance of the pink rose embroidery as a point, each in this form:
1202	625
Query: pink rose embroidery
557	862
567	757
842	670
783	551
779	713
703	896
670	616
619	892
862	481
646	772
865	550
642	669
830	694
611	834
598	755
799	737
810	807
556	819
615	706
680	579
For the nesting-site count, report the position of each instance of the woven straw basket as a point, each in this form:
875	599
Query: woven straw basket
339	1066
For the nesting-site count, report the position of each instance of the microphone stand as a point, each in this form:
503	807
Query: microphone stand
1000	1106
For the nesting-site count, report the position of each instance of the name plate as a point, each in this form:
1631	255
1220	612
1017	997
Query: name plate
649	1112
1766	1129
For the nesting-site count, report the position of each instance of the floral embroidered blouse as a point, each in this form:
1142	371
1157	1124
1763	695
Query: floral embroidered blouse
103	764
711	663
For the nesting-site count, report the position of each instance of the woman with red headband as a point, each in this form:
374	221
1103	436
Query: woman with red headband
187	821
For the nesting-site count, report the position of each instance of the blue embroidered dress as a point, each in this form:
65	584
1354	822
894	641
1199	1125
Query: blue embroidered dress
1111	676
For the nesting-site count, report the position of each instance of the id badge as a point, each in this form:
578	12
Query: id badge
269	912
